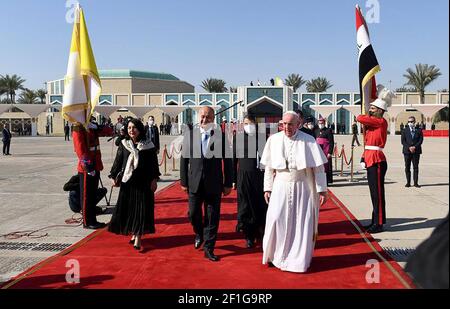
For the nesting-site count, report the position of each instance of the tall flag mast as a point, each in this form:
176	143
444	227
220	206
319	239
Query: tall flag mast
82	86
368	63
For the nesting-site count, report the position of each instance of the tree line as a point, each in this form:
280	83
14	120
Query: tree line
11	84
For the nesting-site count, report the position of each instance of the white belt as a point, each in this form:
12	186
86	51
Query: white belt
290	175
373	148
95	148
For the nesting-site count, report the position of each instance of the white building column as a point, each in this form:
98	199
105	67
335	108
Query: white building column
33	126
393	125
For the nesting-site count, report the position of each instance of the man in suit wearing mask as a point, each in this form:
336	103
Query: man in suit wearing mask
152	133
412	139
205	151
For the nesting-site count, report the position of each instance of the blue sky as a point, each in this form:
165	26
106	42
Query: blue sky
236	40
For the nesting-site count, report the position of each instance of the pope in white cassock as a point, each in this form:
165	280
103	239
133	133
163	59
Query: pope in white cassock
295	186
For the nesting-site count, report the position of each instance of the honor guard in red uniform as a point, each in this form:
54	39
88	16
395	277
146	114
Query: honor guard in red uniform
375	160
87	148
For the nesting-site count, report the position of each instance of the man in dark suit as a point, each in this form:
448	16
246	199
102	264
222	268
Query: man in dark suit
412	139
205	151
6	139
302	122
152	132
66	132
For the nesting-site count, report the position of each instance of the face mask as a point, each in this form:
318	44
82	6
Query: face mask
310	126
411	125
250	128
151	122
321	126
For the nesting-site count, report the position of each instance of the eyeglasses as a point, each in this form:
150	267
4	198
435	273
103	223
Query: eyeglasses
411	121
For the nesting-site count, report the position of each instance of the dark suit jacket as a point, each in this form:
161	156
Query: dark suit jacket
408	141
155	135
6	135
194	167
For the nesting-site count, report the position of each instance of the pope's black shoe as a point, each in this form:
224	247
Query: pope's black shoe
407	185
210	255
198	241
95	226
376	228
417	185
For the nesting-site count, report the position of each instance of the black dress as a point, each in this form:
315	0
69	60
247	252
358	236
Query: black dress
134	213
249	180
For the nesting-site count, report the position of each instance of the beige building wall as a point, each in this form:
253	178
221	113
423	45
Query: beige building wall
412	98
430	99
116	85
121	99
397	100
138	99
155	99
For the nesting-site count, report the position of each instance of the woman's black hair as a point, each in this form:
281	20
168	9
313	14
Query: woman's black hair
139	126
250	117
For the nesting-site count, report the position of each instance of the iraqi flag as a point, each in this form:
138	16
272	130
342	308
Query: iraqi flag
82	86
368	63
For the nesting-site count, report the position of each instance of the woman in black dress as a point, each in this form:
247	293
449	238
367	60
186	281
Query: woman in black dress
136	171
249	180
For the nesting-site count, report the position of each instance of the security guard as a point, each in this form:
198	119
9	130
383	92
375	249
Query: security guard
87	148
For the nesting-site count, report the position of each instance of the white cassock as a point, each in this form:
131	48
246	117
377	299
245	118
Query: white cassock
295	174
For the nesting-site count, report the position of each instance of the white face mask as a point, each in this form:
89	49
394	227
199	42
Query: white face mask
321	126
310	126
151	122
250	128
411	125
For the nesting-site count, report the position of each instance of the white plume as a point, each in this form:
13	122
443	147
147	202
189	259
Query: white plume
385	94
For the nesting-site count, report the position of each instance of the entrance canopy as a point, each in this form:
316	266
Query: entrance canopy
4	108
140	111
325	110
33	110
354	109
172	111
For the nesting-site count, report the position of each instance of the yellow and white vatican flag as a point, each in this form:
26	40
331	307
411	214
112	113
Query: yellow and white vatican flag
82	86
279	82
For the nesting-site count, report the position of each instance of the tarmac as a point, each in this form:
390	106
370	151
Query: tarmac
31	182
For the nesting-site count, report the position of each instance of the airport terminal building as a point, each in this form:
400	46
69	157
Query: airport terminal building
170	100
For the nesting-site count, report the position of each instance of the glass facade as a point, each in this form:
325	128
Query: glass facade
254	94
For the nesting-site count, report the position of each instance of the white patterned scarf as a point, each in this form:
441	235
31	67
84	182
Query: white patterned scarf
133	158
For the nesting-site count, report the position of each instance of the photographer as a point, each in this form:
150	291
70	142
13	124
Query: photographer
73	187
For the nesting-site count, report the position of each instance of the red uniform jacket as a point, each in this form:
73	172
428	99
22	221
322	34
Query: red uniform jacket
87	149
376	135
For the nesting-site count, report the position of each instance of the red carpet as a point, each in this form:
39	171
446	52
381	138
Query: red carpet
170	260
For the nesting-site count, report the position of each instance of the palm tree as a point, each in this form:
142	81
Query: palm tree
41	94
214	85
421	77
2	87
319	84
295	81
27	97
11	84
